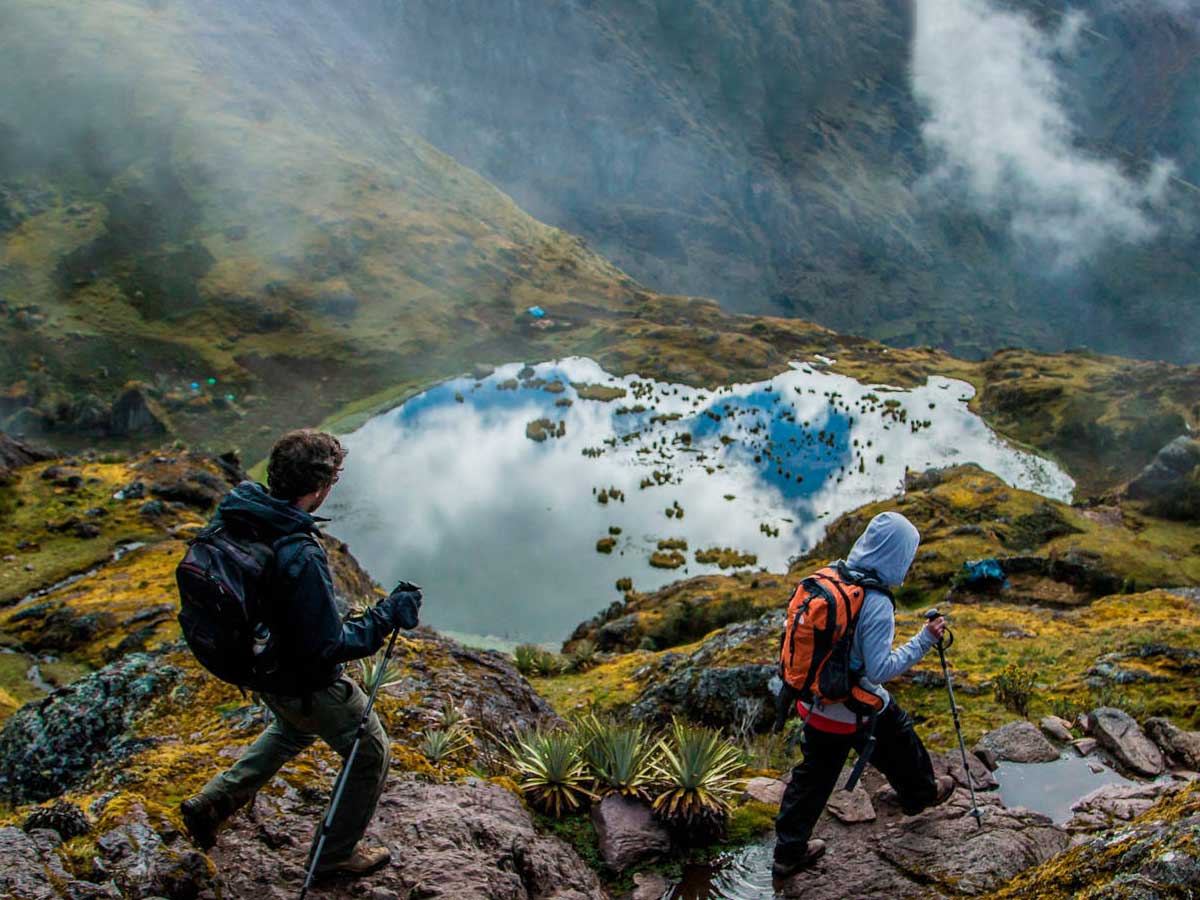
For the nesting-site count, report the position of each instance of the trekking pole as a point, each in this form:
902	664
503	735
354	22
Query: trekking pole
339	784
941	648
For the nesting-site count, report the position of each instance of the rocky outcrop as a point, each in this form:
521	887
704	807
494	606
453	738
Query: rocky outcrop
627	832
1167	471
700	687
1178	746
136	413
52	745
1116	804
14	454
472	839
1118	732
31	870
1156	858
1018	742
938	853
713	697
145	862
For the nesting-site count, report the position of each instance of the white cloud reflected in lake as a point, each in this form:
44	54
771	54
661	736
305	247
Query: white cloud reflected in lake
501	530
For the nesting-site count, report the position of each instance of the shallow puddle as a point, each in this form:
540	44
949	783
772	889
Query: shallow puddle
1052	787
743	874
452	491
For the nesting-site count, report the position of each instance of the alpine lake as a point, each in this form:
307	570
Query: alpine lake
519	500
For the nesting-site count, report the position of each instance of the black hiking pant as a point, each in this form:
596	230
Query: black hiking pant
898	754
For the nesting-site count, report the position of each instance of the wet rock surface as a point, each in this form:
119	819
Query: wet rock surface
52	745
627	832
1118	732
1018	742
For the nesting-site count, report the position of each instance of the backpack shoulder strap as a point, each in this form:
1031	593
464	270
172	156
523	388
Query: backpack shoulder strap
867	581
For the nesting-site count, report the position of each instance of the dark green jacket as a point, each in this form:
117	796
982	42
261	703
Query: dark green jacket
314	640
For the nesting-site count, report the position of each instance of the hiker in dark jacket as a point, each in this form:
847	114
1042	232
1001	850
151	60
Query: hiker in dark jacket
310	695
884	553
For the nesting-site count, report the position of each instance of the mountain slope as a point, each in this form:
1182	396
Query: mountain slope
774	156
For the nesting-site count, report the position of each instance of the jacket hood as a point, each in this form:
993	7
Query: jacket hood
886	549
250	503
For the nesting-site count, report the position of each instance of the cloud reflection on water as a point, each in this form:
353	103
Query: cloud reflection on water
501	531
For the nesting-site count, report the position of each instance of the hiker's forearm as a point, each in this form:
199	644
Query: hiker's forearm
881	662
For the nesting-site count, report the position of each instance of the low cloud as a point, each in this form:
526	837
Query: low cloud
999	123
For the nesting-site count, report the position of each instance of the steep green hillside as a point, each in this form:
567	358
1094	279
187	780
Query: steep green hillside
774	155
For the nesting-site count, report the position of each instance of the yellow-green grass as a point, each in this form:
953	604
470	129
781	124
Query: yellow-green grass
35	503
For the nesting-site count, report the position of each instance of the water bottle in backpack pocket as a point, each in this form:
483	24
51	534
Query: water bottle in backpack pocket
226	612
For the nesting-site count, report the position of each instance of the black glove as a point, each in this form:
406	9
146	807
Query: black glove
400	607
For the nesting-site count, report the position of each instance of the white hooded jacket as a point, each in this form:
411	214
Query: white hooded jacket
885	551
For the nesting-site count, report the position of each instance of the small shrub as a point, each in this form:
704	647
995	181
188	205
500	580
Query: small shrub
1013	687
583	655
524	656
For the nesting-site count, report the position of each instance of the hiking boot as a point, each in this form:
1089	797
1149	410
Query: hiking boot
945	787
201	818
363	861
786	868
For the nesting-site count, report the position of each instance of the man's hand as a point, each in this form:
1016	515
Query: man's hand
401	606
936	627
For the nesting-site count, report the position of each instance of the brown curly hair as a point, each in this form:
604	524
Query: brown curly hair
303	462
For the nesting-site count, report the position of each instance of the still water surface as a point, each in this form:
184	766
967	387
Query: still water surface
447	490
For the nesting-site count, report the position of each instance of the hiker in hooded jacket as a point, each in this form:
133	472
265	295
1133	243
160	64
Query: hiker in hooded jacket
309	693
879	560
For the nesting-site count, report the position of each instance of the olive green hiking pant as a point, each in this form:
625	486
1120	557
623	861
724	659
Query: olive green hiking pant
333	716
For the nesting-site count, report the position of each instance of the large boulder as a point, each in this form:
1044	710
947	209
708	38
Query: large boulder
627	832
52	745
1018	742
142	865
1167	470
951	849
1179	746
30	869
1118	733
712	696
470	839
950	763
135	412
942	852
15	454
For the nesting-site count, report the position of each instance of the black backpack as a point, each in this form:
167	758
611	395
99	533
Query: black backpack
226	611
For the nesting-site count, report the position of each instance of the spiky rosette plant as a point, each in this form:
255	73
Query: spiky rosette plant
369	667
439	745
550	770
696	771
619	756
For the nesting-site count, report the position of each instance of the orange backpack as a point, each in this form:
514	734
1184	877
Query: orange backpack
814	659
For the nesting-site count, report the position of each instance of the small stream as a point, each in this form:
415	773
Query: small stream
120	551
